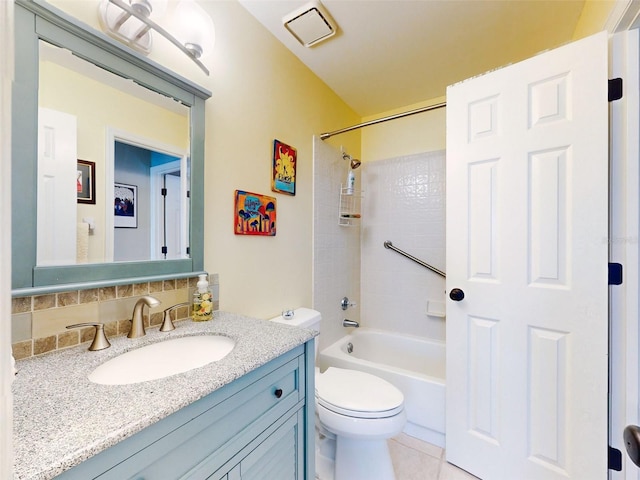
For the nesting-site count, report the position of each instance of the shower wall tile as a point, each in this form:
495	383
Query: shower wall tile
336	252
404	203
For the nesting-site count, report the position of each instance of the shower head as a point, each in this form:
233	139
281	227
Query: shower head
353	162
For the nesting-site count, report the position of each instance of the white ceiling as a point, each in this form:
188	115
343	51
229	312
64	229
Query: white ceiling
388	54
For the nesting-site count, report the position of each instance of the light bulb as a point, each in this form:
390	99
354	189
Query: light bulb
194	28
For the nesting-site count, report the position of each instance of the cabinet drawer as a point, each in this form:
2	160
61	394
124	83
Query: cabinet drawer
218	429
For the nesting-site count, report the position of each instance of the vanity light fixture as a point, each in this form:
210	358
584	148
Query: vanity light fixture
128	21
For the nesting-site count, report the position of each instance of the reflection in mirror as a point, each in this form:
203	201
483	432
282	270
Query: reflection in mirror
151	180
125	135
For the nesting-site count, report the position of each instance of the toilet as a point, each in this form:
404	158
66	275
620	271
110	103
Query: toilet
356	413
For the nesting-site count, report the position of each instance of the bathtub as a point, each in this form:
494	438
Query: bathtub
414	365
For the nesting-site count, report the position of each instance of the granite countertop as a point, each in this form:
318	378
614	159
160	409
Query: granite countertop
62	419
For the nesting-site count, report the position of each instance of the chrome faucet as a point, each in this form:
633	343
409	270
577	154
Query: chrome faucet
345	303
350	323
137	319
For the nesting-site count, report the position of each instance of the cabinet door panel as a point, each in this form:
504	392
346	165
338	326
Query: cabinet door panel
277	457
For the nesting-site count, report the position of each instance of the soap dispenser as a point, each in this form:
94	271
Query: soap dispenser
202	309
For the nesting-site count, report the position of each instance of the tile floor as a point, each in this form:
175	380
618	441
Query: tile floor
414	459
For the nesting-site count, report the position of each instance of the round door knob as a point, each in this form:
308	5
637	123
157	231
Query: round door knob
456	294
278	393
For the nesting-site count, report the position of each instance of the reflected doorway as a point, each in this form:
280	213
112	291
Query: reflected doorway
159	176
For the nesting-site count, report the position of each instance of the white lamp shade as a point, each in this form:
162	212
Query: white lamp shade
192	25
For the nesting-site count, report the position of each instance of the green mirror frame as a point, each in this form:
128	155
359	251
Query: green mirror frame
36	20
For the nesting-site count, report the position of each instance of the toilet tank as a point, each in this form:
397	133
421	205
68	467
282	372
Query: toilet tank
304	318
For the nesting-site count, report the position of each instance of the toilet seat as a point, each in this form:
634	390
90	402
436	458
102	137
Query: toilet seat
357	394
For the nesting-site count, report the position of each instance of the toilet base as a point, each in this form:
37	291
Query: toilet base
325	454
358	459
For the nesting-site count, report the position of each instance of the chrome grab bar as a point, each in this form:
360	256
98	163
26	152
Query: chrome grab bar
389	245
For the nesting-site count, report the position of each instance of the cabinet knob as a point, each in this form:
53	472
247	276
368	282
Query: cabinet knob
278	392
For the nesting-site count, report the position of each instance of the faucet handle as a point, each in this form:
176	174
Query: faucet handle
345	303
167	323
100	340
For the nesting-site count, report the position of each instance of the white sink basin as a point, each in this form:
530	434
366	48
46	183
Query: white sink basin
162	359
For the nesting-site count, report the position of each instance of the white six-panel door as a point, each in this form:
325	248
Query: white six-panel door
57	192
527	347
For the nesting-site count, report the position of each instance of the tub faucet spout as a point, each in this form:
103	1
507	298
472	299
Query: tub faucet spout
350	323
137	319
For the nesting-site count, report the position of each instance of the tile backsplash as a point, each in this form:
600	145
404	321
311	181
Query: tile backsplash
38	323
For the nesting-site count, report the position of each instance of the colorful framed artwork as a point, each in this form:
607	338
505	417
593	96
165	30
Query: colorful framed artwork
283	179
255	214
125	203
86	182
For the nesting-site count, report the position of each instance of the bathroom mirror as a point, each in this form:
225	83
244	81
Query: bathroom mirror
111	218
113	140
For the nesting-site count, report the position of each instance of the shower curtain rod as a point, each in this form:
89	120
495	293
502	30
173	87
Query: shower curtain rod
324	136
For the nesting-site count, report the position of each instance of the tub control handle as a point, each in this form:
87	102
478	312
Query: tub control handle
278	392
456	294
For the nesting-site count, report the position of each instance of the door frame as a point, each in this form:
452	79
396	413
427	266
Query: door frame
157	208
624	229
116	135
6	372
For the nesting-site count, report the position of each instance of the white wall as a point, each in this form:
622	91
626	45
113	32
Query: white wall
6	374
404	202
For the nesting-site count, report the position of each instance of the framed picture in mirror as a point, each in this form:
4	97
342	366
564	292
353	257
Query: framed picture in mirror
125	204
86	182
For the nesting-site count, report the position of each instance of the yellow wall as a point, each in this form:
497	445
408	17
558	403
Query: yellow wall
98	107
426	131
261	92
422	132
593	18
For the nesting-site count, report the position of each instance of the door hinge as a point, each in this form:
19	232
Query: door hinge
615	459
188	193
163	192
615	274
615	89
188	251
165	250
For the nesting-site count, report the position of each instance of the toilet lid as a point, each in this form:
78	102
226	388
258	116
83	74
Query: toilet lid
357	394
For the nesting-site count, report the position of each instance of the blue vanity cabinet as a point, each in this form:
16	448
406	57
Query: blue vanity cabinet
260	426
272	457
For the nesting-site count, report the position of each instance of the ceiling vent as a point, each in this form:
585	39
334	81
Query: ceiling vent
310	24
